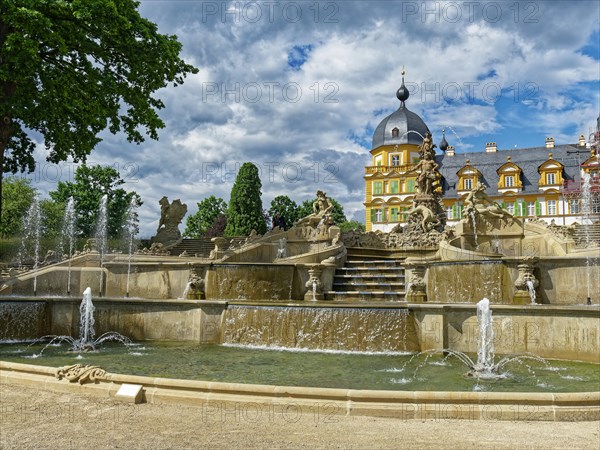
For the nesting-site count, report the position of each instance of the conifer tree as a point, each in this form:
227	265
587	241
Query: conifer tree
245	212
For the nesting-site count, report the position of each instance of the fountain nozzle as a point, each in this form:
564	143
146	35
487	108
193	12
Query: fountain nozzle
589	300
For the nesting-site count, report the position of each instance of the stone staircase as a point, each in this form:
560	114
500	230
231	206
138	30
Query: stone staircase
200	248
583	232
372	279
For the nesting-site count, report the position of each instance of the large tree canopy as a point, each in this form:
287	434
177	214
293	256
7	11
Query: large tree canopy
90	184
17	196
72	68
286	209
209	211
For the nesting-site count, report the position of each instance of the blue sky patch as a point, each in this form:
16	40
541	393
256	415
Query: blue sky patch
298	55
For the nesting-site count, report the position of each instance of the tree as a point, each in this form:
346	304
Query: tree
17	196
338	211
245	211
53	214
351	225
218	227
90	184
286	208
209	210
71	69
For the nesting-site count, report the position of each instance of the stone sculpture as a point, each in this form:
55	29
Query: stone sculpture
478	202
322	208
171	216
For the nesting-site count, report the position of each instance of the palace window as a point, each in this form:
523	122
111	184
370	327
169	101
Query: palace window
394	214
468	183
509	180
510	207
394	186
410	185
395	160
551	204
531	209
596	204
378	215
574	206
550	178
377	187
449	212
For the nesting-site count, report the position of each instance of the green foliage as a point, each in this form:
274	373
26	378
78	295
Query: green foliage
90	184
209	210
71	69
53	214
286	208
245	211
338	210
351	225
17	196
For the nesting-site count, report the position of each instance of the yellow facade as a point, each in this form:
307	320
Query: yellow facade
390	183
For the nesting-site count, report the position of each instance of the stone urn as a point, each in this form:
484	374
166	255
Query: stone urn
416	289
314	286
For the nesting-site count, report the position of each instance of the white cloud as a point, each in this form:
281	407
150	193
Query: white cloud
359	48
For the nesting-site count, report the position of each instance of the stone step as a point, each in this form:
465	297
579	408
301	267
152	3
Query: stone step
389	278
364	296
351	270
374	262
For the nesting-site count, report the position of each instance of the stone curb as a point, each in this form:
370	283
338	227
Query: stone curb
404	405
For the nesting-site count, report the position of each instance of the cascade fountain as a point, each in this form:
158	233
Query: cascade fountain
86	341
101	235
30	243
131	230
68	238
586	209
485	347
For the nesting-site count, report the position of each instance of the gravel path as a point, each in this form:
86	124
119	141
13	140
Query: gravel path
36	419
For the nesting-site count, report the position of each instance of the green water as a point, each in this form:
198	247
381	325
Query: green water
293	368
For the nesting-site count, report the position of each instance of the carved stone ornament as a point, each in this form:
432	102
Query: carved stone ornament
80	373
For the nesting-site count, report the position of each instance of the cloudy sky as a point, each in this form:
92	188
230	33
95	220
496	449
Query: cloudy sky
298	88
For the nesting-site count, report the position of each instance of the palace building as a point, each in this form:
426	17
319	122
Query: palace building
545	182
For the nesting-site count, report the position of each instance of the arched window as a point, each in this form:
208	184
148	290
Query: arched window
395	132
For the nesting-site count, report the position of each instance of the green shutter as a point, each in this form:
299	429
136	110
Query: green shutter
394	186
538	208
410	185
454	211
385	214
372	215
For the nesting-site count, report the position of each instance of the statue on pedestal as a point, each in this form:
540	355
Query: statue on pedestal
171	216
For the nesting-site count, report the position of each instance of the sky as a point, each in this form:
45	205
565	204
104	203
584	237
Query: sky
298	88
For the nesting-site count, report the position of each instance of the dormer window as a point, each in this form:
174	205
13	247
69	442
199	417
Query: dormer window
467	177
395	132
551	174
509	177
395	160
